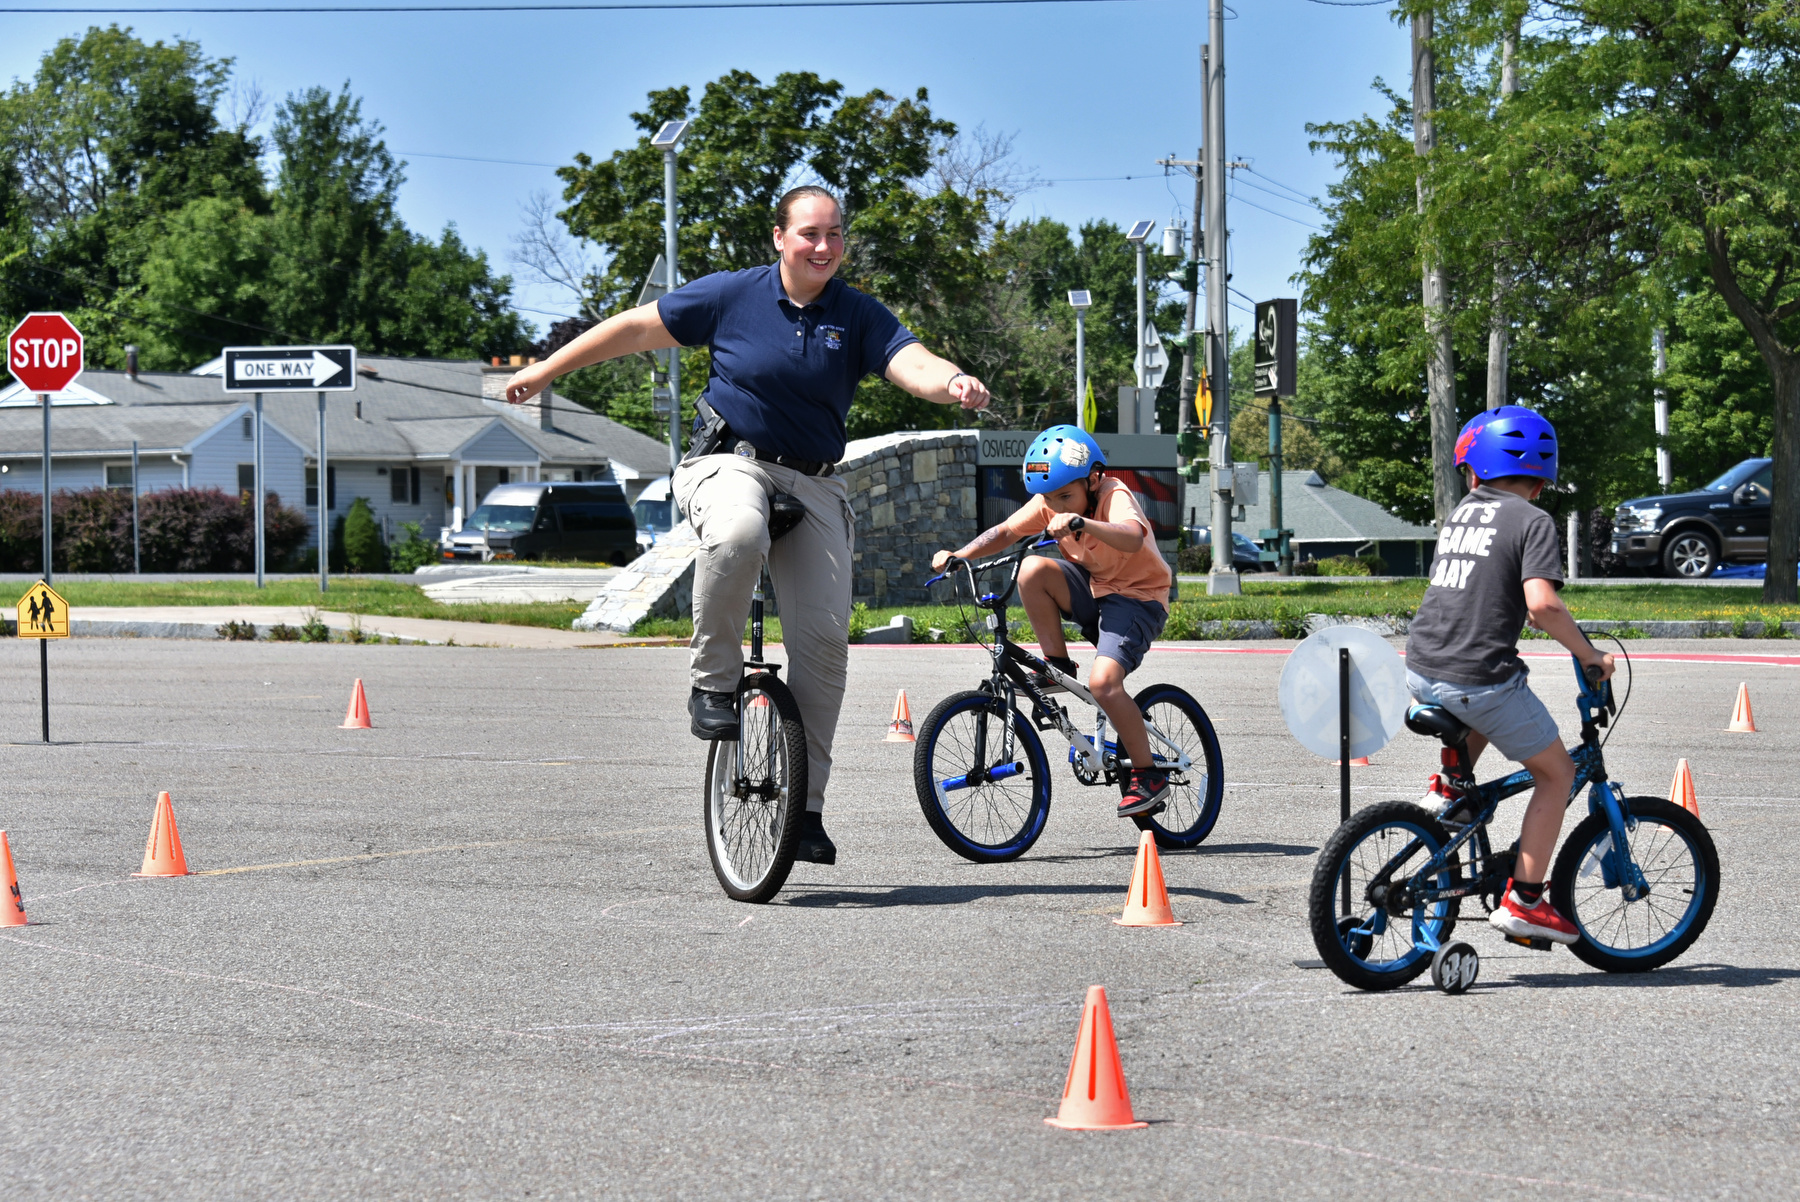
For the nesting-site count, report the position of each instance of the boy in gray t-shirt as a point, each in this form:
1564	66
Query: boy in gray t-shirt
1496	568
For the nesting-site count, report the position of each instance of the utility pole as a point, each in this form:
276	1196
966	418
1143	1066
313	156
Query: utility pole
1499	336
256	473
1440	369
1218	315
324	509
1665	469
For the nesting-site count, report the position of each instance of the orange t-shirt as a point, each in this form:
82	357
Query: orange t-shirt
1142	575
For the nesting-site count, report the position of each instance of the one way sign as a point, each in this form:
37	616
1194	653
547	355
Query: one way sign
290	369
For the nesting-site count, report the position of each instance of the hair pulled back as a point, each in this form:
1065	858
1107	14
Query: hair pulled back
785	206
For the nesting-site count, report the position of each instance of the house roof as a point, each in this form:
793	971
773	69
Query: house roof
1317	512
411	409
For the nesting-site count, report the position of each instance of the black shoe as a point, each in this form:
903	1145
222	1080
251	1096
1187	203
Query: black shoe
814	846
1063	664
1146	792
714	715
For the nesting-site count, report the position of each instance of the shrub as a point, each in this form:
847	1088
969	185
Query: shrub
314	630
238	631
1376	564
412	552
1306	567
1194	560
1343	565
180	530
363	549
281	632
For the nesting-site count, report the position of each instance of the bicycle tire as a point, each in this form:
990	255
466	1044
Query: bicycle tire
999	820
752	824
1193	808
1667	836
1359	953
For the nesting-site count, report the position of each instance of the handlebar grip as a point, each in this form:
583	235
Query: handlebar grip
1591	672
1076	523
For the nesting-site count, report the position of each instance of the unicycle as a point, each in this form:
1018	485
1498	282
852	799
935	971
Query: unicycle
756	784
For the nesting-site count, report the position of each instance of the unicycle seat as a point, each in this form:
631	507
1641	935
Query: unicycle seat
1436	721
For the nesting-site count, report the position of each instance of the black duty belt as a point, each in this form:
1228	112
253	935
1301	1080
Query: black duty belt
806	467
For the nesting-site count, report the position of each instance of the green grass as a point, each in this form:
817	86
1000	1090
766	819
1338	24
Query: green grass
1287	602
376	598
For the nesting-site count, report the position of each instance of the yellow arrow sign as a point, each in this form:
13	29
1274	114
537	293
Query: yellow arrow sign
43	614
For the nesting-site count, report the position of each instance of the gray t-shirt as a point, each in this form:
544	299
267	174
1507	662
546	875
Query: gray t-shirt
1467	628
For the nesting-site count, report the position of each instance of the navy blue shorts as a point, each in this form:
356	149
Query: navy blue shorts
1120	628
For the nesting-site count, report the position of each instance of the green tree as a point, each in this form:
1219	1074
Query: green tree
363	549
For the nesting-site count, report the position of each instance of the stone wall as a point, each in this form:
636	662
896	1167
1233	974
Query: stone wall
911	493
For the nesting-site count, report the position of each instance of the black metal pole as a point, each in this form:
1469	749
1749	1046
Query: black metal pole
44	682
1344	754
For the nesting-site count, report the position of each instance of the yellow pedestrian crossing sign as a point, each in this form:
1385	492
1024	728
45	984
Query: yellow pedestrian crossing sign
43	614
1090	414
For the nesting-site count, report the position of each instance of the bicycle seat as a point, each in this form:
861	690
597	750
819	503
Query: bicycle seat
1436	721
785	512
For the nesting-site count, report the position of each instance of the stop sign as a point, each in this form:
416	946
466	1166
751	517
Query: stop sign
44	352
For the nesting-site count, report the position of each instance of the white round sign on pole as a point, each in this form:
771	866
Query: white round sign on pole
1378	692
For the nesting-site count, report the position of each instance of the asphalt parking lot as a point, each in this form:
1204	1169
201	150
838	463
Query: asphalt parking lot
478	951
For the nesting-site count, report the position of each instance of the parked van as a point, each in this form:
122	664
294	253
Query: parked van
654	512
589	522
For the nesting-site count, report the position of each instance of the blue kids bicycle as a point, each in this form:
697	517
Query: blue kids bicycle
1638	877
980	770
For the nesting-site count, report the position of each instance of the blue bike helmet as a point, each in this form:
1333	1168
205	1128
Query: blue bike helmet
1060	456
1509	441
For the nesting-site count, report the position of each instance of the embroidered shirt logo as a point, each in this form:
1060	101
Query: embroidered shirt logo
834	337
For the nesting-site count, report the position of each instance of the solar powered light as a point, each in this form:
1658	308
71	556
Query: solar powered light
665	140
1137	235
671	133
1081	301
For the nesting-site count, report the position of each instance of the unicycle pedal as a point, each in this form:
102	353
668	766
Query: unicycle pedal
1533	942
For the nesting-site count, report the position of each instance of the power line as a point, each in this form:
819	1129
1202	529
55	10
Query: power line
1277	195
1287	187
673	5
464	158
1236	199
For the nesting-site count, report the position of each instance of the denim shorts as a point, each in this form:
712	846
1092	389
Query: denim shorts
1508	714
1120	628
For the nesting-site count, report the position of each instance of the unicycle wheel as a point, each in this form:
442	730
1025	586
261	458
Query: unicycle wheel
1455	967
755	790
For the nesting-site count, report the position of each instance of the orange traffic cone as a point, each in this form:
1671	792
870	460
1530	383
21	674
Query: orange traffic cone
1094	1097
900	729
1681	789
1147	905
1741	720
357	716
1361	761
162	852
12	908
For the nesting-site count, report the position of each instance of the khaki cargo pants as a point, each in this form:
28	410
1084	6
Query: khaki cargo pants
726	497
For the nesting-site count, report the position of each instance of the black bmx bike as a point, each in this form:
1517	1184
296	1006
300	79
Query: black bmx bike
980	770
756	783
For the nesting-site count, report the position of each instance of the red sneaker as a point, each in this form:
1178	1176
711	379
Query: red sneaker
1540	921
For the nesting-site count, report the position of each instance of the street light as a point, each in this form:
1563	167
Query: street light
1081	302
665	140
1138	235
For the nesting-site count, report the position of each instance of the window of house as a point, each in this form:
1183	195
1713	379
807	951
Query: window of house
249	427
247	478
312	486
118	475
399	488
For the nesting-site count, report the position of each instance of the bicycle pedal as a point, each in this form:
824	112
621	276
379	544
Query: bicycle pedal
1536	945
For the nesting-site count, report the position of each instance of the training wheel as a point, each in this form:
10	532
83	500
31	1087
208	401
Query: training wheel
1455	968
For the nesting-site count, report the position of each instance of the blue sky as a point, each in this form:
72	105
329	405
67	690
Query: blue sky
1094	92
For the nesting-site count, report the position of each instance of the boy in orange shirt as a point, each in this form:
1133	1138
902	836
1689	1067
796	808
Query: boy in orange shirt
1112	583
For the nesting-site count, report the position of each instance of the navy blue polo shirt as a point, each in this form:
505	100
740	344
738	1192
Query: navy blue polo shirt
783	375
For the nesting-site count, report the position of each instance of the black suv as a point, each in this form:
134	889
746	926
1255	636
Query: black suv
1688	534
548	521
